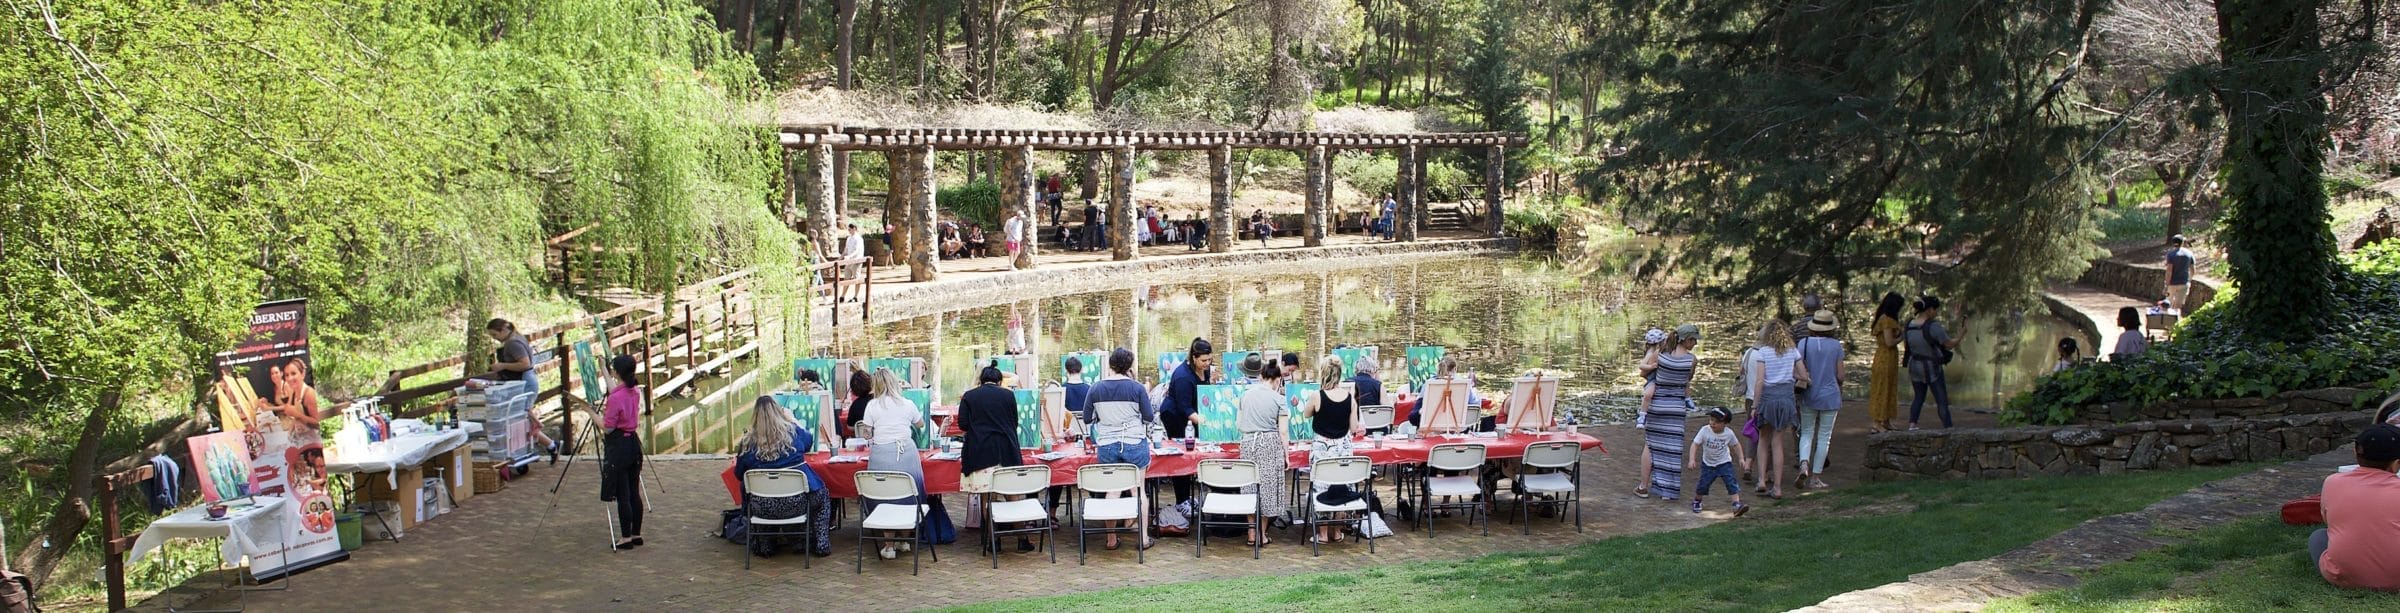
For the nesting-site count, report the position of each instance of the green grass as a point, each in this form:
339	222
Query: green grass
1782	556
2132	225
2255	564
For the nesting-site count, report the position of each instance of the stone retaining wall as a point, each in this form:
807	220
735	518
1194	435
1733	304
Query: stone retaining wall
894	303
2142	280
2075	450
2300	402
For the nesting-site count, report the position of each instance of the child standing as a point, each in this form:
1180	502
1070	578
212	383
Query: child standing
1719	449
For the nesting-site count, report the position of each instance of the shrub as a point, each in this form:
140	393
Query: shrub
977	203
2212	357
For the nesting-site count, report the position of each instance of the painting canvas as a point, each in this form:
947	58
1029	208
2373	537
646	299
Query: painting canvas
910	370
823	366
1351	356
1533	403
1445	405
1029	418
809	408
1297	397
1218	405
1233	367
222	463
1057	420
587	368
1093	361
1423	362
1168	361
923	398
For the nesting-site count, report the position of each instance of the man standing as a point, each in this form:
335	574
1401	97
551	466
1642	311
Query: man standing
1391	212
1809	305
2179	273
1092	229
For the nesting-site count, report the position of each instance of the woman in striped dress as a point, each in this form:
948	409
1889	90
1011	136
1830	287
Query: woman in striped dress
1667	410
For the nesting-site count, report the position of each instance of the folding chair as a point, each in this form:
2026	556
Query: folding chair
1232	475
1354	471
889	487
1462	489
773	484
1376	417
1562	462
1033	482
1091	508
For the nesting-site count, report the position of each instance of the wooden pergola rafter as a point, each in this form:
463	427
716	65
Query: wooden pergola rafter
811	148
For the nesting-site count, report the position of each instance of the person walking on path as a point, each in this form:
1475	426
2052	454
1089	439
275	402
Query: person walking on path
1668	411
1776	376
2179	273
1715	451
1883	380
1821	356
1929	350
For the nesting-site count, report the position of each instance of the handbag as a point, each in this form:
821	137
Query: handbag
1373	526
938	528
1750	429
974	512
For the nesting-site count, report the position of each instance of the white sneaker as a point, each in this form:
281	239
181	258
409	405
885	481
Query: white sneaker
907	546
887	553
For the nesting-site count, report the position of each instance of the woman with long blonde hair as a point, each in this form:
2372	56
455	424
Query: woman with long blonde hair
890	429
1776	376
777	441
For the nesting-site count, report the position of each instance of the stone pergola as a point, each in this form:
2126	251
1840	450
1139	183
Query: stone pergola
809	164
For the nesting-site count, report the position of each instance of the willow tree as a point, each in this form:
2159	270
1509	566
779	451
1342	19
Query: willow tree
1806	143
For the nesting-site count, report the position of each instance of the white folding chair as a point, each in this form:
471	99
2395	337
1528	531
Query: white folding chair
890	489
1462	490
1092	509
1033	482
1231	475
1376	417
1561	463
1358	474
774	484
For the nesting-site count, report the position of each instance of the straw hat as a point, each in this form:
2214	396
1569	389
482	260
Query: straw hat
1822	321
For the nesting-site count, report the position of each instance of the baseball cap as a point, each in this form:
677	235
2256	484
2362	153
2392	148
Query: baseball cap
1654	336
2379	443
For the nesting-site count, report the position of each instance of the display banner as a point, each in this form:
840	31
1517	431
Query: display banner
266	391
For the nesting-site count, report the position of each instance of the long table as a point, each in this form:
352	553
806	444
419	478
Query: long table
942	476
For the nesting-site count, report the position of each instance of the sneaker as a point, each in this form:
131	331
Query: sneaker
907	546
888	553
1739	509
1695	505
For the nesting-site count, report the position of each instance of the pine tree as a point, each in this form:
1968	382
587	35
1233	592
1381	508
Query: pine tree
1493	78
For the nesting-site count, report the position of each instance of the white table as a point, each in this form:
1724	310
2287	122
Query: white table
247	531
402	461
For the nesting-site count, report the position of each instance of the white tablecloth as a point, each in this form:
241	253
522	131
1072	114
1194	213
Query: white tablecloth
248	532
383	457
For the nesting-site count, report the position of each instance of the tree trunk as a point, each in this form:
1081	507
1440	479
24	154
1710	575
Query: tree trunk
2277	232
844	52
745	24
74	510
1104	93
1316	187
1087	174
1120	206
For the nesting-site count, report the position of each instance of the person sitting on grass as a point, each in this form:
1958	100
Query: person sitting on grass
1717	447
2360	545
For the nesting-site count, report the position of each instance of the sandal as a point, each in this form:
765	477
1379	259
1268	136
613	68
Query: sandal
1262	542
1641	492
1776	493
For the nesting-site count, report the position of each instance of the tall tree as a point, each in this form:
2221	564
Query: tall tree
1801	144
2277	234
1493	79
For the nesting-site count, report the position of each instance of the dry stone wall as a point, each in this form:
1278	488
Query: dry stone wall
2104	449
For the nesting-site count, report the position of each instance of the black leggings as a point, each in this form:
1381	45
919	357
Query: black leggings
621	479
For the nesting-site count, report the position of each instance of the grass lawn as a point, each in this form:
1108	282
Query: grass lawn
2255	564
1780	557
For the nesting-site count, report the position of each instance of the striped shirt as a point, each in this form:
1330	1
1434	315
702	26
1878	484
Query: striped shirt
1673	375
1775	366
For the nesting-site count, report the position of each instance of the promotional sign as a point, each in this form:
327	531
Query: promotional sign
266	394
1298	425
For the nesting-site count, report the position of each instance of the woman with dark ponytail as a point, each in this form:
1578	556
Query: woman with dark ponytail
621	453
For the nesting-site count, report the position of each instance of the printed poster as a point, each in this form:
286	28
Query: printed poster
266	394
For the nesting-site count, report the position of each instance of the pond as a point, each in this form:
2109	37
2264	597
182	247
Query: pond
1500	316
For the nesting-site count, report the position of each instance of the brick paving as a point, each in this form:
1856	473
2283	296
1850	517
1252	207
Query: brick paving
498	552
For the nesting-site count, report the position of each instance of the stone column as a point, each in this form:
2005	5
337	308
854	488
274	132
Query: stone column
789	209
897	212
1220	199
1317	188
1120	205
1424	204
816	189
924	263
1017	193
1495	179
1125	327
1404	189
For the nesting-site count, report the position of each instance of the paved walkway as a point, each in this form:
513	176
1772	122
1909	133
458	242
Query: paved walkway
2051	563
498	552
2095	308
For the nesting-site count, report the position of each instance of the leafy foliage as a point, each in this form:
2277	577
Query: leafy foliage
2215	355
2278	238
1777	136
978	203
1494	79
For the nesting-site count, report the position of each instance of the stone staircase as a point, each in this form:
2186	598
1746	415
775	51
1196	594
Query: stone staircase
1444	217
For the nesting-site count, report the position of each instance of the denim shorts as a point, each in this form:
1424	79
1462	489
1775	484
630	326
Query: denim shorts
1137	454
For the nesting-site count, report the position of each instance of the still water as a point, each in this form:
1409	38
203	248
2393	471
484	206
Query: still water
1500	316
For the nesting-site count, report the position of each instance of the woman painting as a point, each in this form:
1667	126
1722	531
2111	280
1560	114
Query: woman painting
890	426
1668	410
1330	418
621	453
1260	421
987	421
1883	382
1777	375
776	441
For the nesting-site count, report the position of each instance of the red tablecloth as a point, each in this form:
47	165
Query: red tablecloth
1407	405
942	477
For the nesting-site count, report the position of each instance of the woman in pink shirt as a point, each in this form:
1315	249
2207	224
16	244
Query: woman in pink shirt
621	453
2360	545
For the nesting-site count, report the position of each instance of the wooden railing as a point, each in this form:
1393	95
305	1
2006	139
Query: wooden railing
115	545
